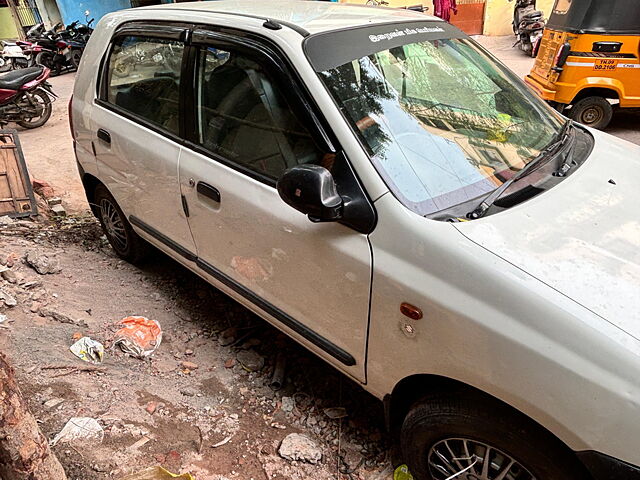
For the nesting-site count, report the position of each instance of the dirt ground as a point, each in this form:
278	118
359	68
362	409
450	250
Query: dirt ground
193	406
193	393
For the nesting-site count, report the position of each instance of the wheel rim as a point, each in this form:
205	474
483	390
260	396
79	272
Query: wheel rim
592	115
478	460
113	224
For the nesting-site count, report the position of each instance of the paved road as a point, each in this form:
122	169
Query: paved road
625	123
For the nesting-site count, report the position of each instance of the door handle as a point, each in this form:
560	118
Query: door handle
104	136
208	191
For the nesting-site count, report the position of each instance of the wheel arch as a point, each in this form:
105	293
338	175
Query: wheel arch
411	389
90	183
611	91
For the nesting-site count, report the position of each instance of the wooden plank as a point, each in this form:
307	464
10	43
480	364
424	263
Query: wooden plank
16	192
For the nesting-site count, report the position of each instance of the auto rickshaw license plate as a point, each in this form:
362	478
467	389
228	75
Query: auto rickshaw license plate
605	64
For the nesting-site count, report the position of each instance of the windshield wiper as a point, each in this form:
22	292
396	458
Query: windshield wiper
553	147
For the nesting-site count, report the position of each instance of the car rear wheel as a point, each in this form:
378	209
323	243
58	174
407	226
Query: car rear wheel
594	112
127	244
479	438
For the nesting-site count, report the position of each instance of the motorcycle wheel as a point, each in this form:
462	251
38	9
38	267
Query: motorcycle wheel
40	102
45	59
76	55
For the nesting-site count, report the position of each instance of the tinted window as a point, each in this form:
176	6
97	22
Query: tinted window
243	116
144	79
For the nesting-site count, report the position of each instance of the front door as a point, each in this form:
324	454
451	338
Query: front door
137	141
311	279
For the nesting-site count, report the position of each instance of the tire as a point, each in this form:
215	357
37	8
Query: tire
474	419
45	59
127	244
594	112
76	55
43	100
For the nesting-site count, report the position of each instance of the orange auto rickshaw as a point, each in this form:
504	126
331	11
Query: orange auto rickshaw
587	62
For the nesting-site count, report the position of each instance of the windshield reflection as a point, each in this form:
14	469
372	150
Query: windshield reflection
442	122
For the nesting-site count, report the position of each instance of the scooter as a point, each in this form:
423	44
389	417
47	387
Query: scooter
26	97
12	56
528	26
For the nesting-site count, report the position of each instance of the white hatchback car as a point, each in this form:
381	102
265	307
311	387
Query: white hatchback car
456	246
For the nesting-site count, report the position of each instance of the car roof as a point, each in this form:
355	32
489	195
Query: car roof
310	16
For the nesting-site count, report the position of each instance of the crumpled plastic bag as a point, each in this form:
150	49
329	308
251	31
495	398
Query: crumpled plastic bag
157	473
139	337
80	428
88	350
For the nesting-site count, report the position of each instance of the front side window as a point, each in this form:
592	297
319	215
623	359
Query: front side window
442	121
143	78
243	116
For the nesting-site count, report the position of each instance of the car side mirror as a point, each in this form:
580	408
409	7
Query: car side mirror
310	189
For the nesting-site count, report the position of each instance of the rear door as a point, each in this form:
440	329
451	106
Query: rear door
137	123
311	279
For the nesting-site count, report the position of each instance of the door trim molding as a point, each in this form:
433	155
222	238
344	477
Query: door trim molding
305	332
148	229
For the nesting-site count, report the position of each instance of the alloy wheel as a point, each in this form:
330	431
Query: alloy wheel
466	459
113	224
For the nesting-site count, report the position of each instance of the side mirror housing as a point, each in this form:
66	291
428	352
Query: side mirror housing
310	189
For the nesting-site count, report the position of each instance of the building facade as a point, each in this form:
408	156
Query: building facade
476	17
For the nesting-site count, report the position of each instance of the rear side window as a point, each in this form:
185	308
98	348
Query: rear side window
243	116
143	78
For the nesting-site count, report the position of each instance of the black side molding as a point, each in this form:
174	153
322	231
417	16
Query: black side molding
292	323
302	330
179	249
604	467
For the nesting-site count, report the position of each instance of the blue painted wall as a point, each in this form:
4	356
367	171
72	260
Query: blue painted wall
72	10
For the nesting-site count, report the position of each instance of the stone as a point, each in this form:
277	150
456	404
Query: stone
288	404
58	210
189	365
54	201
297	447
60	317
10	276
54	402
188	392
228	336
42	188
6	220
250	360
151	407
8	299
43	264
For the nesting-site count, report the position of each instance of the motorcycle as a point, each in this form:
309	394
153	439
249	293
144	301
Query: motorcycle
26	97
56	52
528	26
12	56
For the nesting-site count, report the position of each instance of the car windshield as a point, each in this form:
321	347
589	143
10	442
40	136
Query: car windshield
443	122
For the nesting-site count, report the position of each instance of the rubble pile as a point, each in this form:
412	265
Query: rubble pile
223	395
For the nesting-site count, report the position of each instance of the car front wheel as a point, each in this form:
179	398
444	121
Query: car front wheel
473	437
